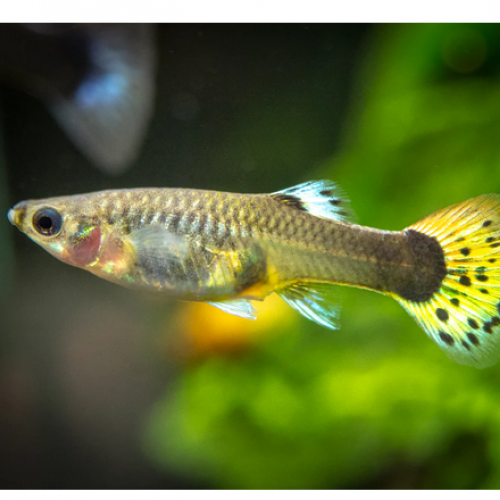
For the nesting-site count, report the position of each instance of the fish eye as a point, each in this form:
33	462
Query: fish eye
47	221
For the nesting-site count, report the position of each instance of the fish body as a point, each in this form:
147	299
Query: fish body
228	249
208	245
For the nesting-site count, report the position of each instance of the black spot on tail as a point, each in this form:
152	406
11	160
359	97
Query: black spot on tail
446	338
442	314
473	323
487	328
472	338
464	280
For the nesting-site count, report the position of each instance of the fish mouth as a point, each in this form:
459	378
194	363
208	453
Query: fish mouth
16	215
12	216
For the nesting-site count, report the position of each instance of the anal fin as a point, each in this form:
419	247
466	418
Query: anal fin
238	307
318	302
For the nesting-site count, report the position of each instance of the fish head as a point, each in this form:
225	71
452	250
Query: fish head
62	226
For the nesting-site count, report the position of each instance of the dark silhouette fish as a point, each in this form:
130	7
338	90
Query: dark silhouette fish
97	80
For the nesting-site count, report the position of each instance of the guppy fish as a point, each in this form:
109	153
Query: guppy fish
228	249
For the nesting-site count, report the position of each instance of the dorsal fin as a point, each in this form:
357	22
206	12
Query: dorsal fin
320	198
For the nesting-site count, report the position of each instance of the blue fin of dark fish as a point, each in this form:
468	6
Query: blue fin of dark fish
106	116
238	307
320	198
318	302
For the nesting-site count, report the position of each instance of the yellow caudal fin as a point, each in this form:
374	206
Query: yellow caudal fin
463	316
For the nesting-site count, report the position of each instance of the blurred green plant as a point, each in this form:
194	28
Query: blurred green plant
314	409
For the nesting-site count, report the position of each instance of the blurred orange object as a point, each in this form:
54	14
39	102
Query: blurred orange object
209	330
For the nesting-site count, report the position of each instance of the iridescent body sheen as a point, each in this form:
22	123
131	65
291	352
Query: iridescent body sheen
207	245
228	249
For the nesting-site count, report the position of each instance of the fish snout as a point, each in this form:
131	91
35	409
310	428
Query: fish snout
17	214
12	216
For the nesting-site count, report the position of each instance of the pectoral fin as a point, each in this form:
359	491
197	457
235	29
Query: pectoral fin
156	245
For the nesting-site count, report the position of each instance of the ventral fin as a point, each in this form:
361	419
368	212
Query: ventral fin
238	307
320	198
318	302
